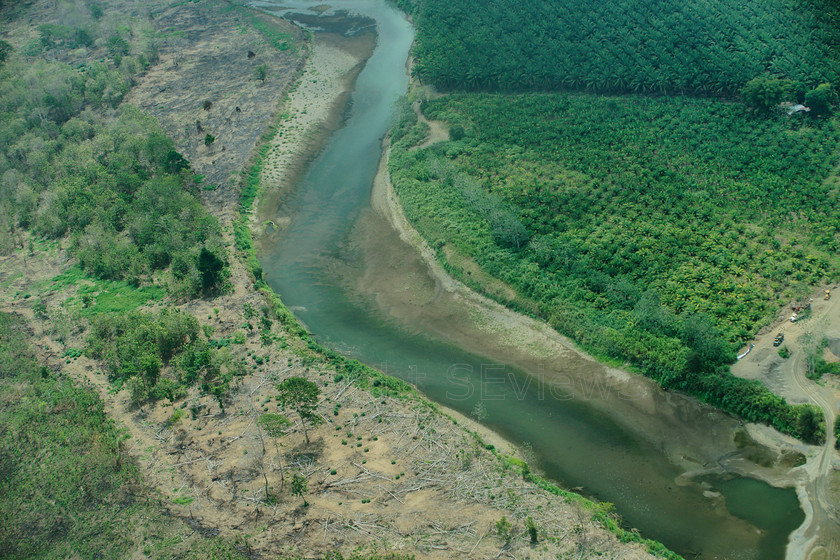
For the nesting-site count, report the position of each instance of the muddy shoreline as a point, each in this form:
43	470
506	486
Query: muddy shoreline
729	457
313	110
516	334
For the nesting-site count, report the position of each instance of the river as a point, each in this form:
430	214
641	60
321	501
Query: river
361	290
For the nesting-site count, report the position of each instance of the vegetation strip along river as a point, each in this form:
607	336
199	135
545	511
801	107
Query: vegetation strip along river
618	437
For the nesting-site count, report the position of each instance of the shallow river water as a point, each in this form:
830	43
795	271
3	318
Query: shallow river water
341	269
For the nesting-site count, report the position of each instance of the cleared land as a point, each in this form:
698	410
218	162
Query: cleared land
384	471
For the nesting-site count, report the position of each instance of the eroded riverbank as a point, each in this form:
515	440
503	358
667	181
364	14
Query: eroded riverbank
366	293
700	441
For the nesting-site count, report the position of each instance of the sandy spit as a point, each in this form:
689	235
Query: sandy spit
326	78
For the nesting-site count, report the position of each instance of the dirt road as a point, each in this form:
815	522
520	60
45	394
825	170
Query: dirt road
787	378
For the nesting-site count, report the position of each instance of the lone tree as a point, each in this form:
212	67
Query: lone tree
301	395
763	93
261	72
211	267
299	485
96	10
209	139
275	426
819	100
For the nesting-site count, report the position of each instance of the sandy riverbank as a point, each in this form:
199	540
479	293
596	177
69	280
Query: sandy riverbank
312	110
500	322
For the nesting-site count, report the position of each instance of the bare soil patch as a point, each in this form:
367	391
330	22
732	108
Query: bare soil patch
214	59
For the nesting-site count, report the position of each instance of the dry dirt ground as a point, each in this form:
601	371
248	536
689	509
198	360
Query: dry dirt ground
383	473
438	131
787	378
213	58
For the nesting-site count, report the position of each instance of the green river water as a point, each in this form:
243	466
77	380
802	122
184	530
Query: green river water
627	446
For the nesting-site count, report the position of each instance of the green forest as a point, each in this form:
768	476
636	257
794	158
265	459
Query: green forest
662	46
77	163
82	170
657	231
68	489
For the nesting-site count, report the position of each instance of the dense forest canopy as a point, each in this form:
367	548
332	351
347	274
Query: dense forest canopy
625	45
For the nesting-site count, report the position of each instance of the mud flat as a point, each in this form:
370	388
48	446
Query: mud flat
704	450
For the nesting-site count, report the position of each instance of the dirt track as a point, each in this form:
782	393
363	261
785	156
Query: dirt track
787	378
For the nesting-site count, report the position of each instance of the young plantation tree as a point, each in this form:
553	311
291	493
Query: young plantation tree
299	485
301	395
275	426
261	72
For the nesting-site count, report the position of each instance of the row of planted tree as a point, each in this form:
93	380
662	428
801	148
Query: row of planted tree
645	46
659	232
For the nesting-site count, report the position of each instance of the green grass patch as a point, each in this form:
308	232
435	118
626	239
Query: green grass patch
95	296
278	39
67	487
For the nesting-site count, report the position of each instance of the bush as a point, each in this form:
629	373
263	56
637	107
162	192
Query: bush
765	93
819	99
138	348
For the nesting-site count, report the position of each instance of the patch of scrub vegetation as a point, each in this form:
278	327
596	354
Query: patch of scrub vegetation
272	34
161	355
657	232
624	45
75	162
67	488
